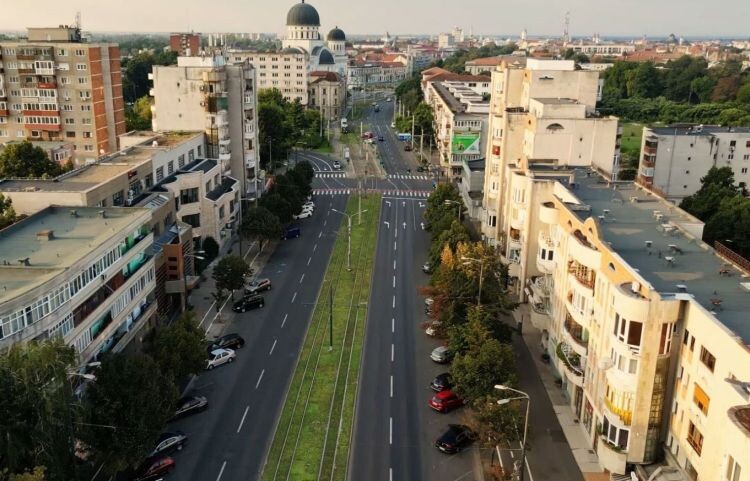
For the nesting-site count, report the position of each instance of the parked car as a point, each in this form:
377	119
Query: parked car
427	268
455	439
258	285
407	147
337	165
168	443
303	215
388	99
381	138
428	301
445	401
309	205
367	135
227	341
155	467
219	357
442	382
248	302
291	232
190	405
432	328
441	355
377	108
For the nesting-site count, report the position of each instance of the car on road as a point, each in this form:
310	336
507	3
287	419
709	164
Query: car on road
441	355
442	382
152	469
456	438
407	147
337	165
291	232
381	138
309	205
432	329
219	357
377	108
303	215
258	285
388	99
445	401
393	125
367	135
227	341
168	443
248	302
190	405
427	268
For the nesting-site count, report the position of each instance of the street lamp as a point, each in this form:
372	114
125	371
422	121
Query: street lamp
503	401
349	237
184	276
457	203
469	260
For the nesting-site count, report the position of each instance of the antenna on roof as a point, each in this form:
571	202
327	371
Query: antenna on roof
78	24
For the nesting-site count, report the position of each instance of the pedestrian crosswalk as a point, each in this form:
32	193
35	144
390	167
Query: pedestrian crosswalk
330	175
409	177
392	193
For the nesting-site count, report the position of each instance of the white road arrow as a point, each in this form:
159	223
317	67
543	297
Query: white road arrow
404	224
387	202
421	204
387	224
422	224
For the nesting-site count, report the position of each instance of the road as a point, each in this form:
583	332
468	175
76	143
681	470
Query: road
229	441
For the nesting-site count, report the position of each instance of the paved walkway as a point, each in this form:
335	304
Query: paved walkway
584	455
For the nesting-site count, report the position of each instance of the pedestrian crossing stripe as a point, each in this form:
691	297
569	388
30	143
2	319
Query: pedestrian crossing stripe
422	194
409	177
330	175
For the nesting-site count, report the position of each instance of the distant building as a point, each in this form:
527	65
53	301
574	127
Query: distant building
446	40
603	49
674	159
487	64
185	44
327	94
54	86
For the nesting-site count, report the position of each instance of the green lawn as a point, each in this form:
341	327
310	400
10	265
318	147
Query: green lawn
349	139
313	435
324	148
631	137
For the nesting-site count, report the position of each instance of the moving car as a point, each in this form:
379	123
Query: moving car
393	125
309	205
156	467
374	104
427	268
388	99
377	108
441	355
227	341
445	401
455	439
337	165
303	215
219	357
190	405
168	443
291	232
442	382
258	285
381	138
247	303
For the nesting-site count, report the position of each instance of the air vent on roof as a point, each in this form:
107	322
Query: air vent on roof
24	261
681	288
73	213
45	235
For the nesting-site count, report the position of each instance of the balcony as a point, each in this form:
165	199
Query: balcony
548	213
581	250
123	337
577	333
611	457
47	85
514	238
583	277
625	415
630	304
517	218
4	113
225	156
571	362
44	127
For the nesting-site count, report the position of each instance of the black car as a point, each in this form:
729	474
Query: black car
190	405
442	382
247	303
227	341
381	138
455	438
168	443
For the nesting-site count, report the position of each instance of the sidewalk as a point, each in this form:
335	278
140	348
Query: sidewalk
585	457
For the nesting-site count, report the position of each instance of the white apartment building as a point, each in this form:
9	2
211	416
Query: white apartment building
542	110
674	159
85	274
603	49
208	94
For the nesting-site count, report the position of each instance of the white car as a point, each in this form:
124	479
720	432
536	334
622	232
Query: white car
219	357
428	301
388	99
393	125
432	328
309	205
336	165
304	214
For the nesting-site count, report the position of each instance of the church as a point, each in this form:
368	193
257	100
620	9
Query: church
304	59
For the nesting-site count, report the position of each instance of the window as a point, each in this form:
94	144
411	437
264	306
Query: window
81	67
85	108
614	435
695	438
665	340
170	167
733	470
87	135
83	80
61	52
701	399
66	108
117	199
193	219
708	359
191	155
159	174
189	196
221	212
732	143
200	153
692	343
84	95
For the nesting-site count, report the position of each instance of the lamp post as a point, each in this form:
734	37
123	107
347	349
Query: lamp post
469	260
503	401
184	276
349	236
458	204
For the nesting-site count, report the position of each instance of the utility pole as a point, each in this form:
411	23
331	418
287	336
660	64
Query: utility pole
349	242
359	203
412	132
421	143
330	318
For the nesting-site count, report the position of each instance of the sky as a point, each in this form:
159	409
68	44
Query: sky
656	18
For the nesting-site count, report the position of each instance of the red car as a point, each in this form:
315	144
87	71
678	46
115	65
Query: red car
445	401
156	467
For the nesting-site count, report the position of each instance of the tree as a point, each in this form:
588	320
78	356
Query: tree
36	474
423	120
448	238
178	348
475	373
679	75
731	221
495	423
470	336
229	274
24	159
278	205
717	185
259	223
305	169
702	88
743	93
7	213
210	248
138	117
127	408
438	210
726	89
645	81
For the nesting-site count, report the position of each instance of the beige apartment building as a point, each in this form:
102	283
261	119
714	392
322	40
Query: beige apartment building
54	86
207	93
542	110
674	159
327	94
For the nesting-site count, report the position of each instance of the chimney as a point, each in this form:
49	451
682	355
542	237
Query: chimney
45	235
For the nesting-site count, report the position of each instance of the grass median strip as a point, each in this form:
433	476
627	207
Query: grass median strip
313	434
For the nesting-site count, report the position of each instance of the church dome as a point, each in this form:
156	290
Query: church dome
303	15
336	35
326	58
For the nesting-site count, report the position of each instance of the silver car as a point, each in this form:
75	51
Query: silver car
219	357
441	355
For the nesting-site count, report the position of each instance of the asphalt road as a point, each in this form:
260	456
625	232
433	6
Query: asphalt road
229	441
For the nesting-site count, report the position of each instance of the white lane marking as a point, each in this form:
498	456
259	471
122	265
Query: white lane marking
309	259
221	471
301	278
394	265
390	474
394	282
272	347
528	469
294	297
394	301
259	378
511	454
284	321
320	234
395	247
315	246
242	421
396	233
393	325
328	212
324	223
390	433
391	388
393	349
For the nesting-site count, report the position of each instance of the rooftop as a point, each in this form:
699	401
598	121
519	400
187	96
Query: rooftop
556	101
461	100
698	130
227	183
163	139
73	236
633	218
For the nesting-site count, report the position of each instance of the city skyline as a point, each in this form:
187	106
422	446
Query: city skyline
587	17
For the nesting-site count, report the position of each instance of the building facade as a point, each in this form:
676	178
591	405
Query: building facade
56	87
327	95
674	159
208	94
185	44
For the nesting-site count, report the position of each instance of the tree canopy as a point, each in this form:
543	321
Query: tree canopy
24	159
178	348
261	224
229	274
7	213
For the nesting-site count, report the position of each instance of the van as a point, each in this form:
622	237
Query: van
291	232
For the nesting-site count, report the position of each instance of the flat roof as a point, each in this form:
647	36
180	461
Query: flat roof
555	101
164	139
453	103
73	238
698	130
630	223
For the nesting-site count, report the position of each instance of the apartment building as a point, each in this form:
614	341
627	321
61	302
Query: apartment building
542	110
674	159
460	125
327	95
54	86
368	73
480	66
644	323
84	274
603	49
478	83
206	93
185	44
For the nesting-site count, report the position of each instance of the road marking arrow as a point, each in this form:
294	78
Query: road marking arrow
387	224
